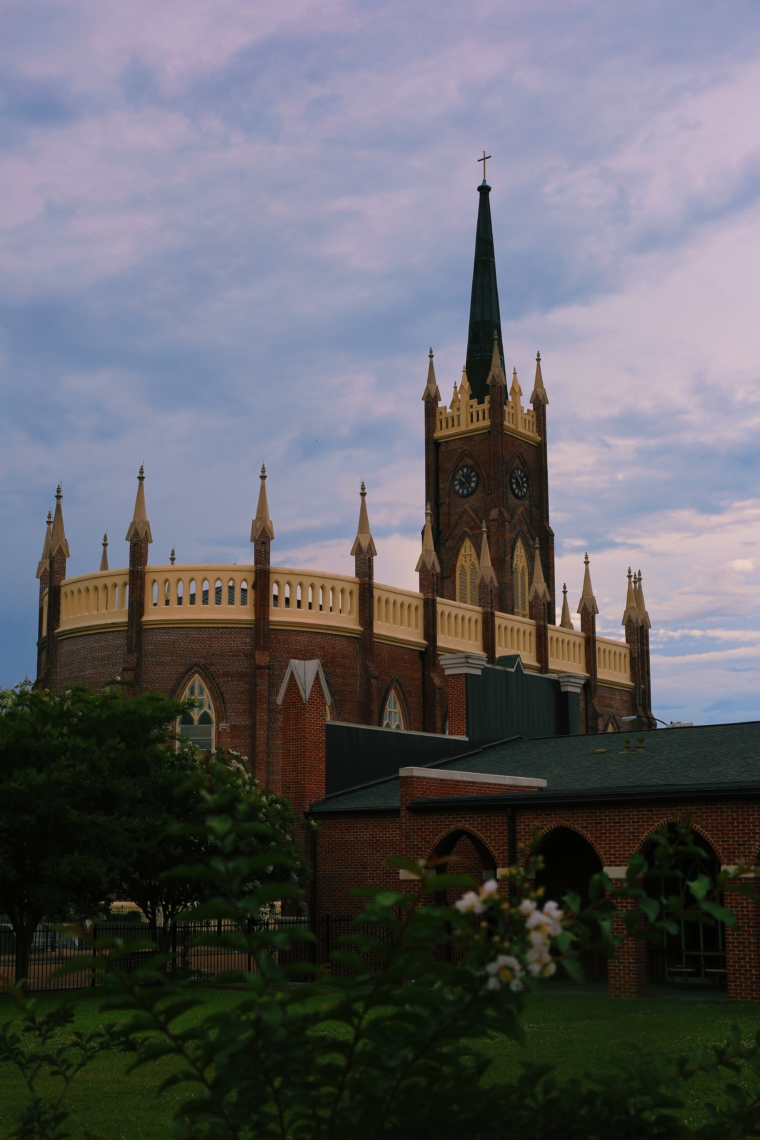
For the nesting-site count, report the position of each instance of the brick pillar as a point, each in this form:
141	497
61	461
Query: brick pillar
261	603
743	950
138	561
431	397
303	733
539	614
487	602
627	973
56	577
364	552
456	667
588	629
433	690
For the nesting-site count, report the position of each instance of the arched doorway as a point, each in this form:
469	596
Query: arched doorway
569	863
465	854
696	953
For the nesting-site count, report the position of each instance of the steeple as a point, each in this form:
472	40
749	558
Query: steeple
641	605
43	562
538	395
431	388
140	525
104	555
566	620
486	572
428	558
485	318
262	522
364	540
588	601
631	609
539	587
58	534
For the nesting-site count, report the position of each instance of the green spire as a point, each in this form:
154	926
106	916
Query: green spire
484	303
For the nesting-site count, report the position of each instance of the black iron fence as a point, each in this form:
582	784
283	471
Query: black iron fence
50	950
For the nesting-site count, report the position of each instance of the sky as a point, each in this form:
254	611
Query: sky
230	231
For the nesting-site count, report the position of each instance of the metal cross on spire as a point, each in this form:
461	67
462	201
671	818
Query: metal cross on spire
484	159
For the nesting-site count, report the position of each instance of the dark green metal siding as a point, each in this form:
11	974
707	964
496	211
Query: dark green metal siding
505	701
357	754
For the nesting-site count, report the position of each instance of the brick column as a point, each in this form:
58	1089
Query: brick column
431	397
261	602
743	950
57	576
627	973
539	614
138	561
456	667
364	553
303	698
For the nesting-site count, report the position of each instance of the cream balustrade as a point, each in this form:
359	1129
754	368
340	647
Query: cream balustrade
94	600
466	416
516	635
398	616
213	595
613	662
460	627
307	598
567	650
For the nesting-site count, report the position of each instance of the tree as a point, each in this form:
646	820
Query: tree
65	765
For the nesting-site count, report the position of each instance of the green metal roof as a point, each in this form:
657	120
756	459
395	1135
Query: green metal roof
706	757
484	302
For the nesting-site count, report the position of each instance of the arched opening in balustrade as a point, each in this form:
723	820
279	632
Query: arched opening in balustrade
244	592
275	594
231	592
218	592
299	595
286	596
180	591
332	599
311	598
321	598
204	592
192	591
416	617
154	592
167	592
342	601
350	602
115	596
197	724
394	612
520	579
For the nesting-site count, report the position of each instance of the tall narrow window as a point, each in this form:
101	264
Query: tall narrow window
198	723
231	592
218	592
192	591
244	593
204	592
520	580
392	716
467	574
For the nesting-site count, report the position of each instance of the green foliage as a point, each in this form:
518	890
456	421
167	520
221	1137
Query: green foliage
44	1044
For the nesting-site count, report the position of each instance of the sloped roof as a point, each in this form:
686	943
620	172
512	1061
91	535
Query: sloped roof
703	758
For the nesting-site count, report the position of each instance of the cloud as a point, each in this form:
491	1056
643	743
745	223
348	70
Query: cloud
232	236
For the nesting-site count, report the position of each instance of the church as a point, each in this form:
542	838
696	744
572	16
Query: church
447	721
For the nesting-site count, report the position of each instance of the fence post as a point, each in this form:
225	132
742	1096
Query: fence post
94	951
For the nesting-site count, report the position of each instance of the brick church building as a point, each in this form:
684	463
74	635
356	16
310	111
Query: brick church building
448	720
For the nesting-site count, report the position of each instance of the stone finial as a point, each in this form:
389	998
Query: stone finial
638	592
565	621
262	522
104	555
428	559
364	540
140	525
486	571
173	557
42	565
539	588
496	375
431	388
538	395
58	533
631	612
454	396
465	391
588	601
515	391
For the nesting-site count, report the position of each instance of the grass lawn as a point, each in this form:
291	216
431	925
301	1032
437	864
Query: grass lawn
575	1032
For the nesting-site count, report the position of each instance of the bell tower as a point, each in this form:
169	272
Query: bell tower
485	454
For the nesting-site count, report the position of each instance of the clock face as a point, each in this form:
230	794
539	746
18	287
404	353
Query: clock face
465	481
518	483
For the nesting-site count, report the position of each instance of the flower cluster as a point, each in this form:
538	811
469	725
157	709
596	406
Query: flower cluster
531	952
475	902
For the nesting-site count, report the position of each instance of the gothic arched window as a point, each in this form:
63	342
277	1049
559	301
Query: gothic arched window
392	715
197	724
520	579
467	574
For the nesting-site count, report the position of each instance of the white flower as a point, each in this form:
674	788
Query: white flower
469	902
506	970
493	984
548	920
527	906
489	888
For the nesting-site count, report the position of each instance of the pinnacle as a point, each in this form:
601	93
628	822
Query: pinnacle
431	387
428	559
565	621
140	525
539	588
538	395
364	540
588	601
104	555
262	522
